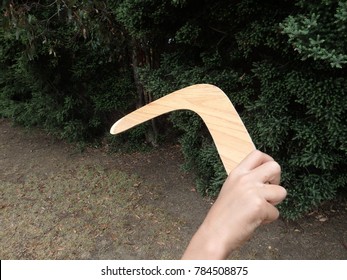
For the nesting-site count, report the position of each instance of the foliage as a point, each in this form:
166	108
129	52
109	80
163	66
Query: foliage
304	129
57	74
320	31
293	109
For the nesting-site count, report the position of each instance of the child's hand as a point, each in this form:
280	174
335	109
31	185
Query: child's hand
246	200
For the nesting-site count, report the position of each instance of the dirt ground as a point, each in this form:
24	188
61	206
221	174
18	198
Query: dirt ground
58	203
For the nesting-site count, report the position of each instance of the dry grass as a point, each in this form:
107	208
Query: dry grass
85	213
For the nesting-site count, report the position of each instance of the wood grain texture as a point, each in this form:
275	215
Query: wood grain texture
213	106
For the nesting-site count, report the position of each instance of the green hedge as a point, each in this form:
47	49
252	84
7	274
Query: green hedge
289	90
55	77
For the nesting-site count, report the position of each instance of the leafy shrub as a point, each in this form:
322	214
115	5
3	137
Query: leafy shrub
57	78
319	32
293	109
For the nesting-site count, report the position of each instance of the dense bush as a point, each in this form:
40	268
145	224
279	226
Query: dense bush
75	68
59	77
286	76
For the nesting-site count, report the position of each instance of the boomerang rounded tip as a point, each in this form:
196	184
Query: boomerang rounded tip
115	129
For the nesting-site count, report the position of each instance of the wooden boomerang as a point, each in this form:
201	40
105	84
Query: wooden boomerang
213	106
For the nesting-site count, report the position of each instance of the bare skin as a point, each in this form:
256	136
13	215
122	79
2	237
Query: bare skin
247	200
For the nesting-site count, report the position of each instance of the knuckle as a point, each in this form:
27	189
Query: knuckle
258	153
276	167
284	192
276	214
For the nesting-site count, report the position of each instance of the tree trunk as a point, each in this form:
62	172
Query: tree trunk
140	57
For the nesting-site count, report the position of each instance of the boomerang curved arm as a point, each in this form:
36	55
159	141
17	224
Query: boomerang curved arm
228	132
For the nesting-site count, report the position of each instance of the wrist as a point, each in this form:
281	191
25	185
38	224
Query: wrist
207	244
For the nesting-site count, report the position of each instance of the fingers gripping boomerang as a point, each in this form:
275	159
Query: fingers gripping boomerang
213	106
